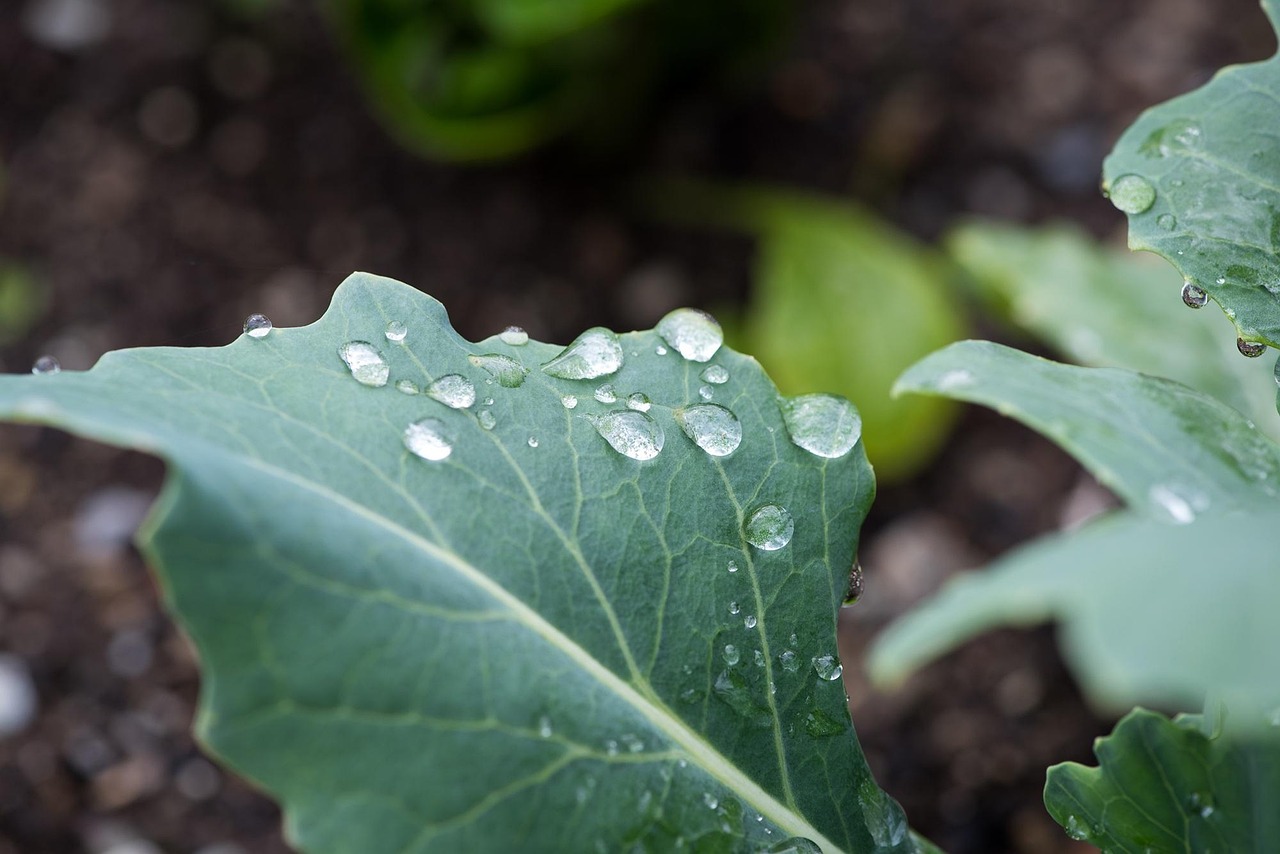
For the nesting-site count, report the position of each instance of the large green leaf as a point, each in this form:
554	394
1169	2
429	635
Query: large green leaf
1082	298
513	638
1165	449
1166	785
1199	177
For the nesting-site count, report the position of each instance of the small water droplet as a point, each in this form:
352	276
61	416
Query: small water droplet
769	528
595	353
706	392
1168	222
1194	295
632	743
710	800
731	654
733	565
544	726
1251	349
630	433
827	667
734	608
715	374
660	350
759	658
693	334
365	363
257	326
514	336
396	331
712	428
533	441
1077	829
822	424
611	747
428	439
790	661
486	419
1132	194
638	401
1221	280
750	621
507	371
407	387
794	845
793	640
1181	505
954	379
606	394
453	390
46	365
488	401
569	401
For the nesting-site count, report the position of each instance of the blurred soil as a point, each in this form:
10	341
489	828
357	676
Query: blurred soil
168	168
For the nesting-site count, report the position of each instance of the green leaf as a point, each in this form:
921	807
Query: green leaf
1165	449
843	303
1166	785
512	638
1199	177
1082	298
1149	612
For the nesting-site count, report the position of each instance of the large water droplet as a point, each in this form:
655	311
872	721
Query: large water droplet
257	326
694	334
1194	295
1251	349
606	394
715	374
514	336
365	363
453	390
638	401
794	845
595	353
507	371
396	331
827	667
428	439
713	428
1132	194
731	654
769	528
822	424
46	365
630	433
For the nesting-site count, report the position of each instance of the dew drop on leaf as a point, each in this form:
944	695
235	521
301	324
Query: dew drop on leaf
819	724
396	331
630	433
790	661
1181	505
769	528
1167	222
1193	295
731	654
514	336
827	667
428	439
1251	349
759	657
486	419
544	727
1132	194
1077	829
257	326
507	371
750	621
954	379
710	800
365	363
794	845
822	424
407	387
595	353
453	390
693	334
733	565
713	428
715	374
606	394
569	401
638	401
46	365
533	441
734	608
706	392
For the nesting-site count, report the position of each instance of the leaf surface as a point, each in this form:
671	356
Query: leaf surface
1199	177
528	640
1164	785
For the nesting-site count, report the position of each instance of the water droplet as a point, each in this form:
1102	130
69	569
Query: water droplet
731	654
769	528
533	441
428	439
710	800
453	390
1077	829
569	401
611	747
514	336
819	724
1182	508
790	661
396	331
407	387
823	424
606	394
794	845
715	374
1168	222
486	419
1132	194
46	365
365	363
257	326
595	353
693	334
827	667
1194	295
638	401
507	371
1221	280
632	743
1251	349
793	640
734	608
706	392
954	379
630	433
544	726
733	565
660	350
713	428
750	621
